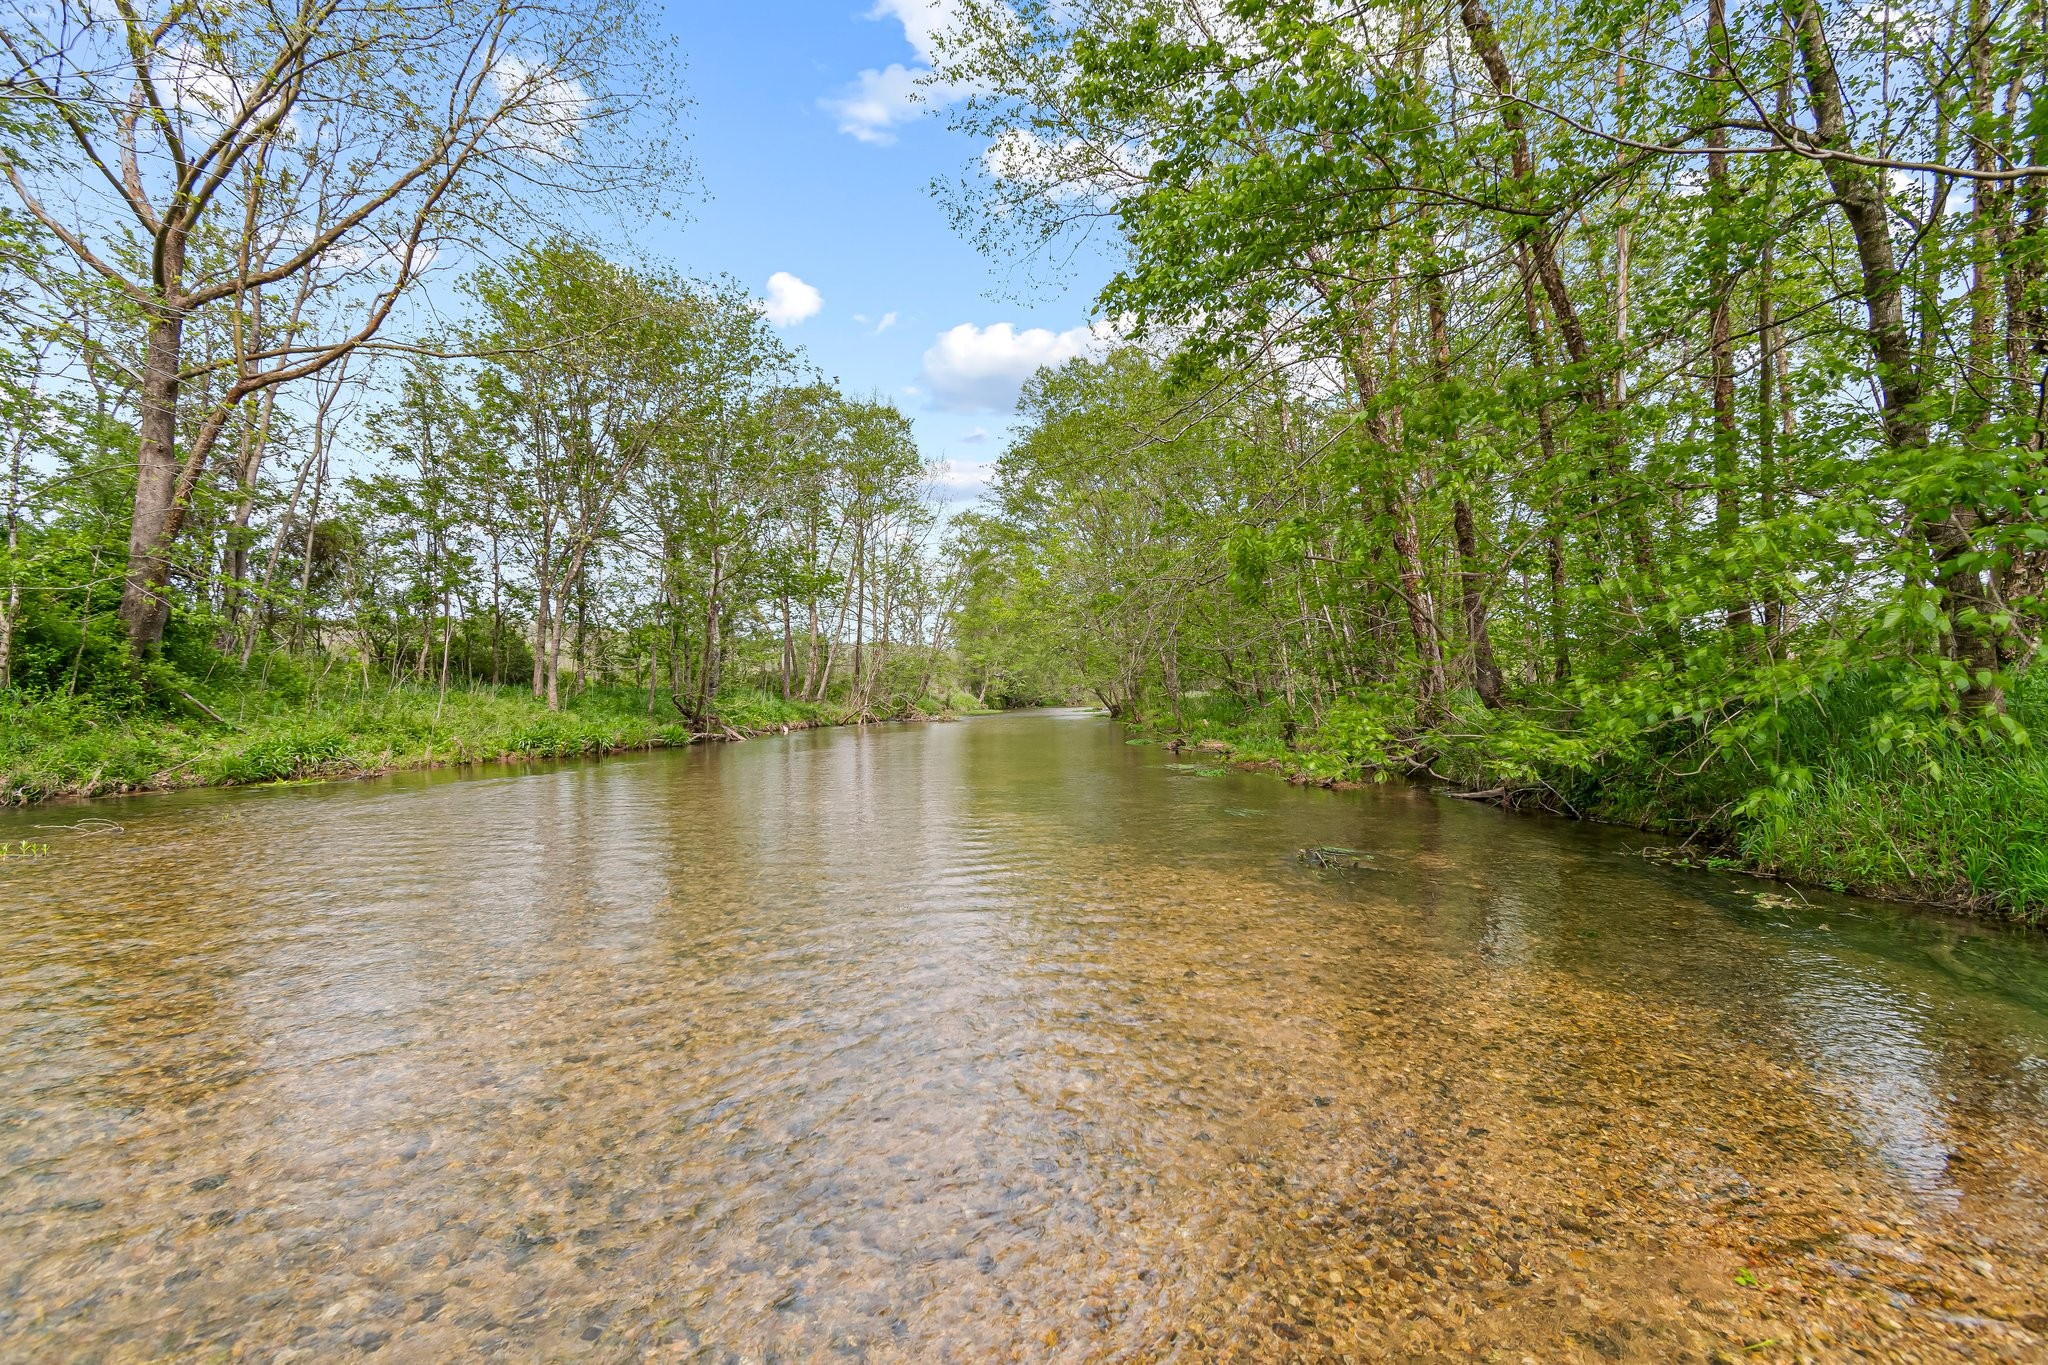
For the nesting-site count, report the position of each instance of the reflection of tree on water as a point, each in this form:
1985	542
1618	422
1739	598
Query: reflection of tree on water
1866	1043
108	984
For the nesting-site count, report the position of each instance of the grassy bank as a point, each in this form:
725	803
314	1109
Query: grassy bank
56	746
1952	822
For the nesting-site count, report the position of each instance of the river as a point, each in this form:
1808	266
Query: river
1002	1039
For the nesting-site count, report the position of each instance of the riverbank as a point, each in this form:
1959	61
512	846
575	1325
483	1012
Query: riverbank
63	747
1958	825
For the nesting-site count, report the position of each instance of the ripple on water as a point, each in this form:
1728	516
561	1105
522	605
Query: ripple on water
977	1041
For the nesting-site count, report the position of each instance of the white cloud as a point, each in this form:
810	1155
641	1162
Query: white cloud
1909	25
364	253
975	437
957	482
974	369
199	85
1067	171
1020	154
381	259
877	101
888	321
206	93
923	21
789	300
543	112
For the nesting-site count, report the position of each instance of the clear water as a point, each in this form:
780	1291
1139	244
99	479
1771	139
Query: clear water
993	1040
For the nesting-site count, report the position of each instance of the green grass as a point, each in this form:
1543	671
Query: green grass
84	747
1960	826
1959	823
57	746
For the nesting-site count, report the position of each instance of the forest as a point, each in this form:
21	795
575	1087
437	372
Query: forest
334	444
1625	412
1630	412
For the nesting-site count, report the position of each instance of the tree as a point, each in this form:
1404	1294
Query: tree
200	157
1547	424
590	374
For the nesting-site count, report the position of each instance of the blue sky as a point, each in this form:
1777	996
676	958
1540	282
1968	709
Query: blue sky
814	167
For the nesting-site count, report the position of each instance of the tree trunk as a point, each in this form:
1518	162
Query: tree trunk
259	609
8	611
653	658
540	637
707	683
878	667
1720	347
556	611
11	611
427	612
810	647
788	650
143	605
582	635
1947	530
1169	670
447	637
860	614
234	565
1550	275
1485	671
497	604
1767	427
1471	574
838	633
1621	238
1546	440
675	638
306	556
1407	541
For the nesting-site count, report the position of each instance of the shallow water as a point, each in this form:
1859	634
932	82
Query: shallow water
995	1040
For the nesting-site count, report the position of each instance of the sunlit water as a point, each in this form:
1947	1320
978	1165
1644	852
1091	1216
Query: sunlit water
993	1040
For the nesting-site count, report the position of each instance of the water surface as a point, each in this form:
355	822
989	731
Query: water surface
993	1040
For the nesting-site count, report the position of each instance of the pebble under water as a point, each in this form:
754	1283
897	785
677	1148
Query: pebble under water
997	1040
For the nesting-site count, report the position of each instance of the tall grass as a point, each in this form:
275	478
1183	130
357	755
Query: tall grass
1960	823
276	728
1834	798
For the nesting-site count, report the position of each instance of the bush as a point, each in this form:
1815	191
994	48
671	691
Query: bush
1832	787
280	756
